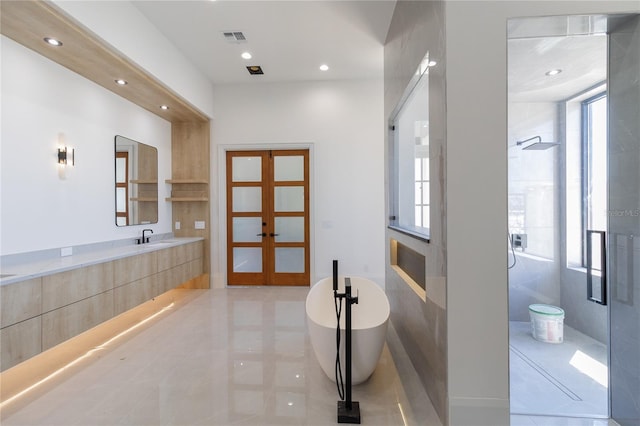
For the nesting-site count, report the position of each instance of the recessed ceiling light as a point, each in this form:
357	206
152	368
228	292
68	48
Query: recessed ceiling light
164	107
553	72
246	55
121	82
53	41
324	67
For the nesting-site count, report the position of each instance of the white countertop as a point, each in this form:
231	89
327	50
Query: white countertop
33	269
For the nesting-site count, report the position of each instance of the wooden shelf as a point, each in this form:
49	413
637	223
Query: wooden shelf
187	194
186	181
186	199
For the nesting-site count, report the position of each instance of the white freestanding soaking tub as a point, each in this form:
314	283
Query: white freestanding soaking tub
369	319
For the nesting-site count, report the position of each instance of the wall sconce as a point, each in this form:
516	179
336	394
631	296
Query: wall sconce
66	157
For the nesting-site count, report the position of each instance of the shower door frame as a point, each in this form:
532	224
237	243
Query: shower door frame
561	259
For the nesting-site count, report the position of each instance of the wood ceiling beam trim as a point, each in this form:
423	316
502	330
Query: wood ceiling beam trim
28	22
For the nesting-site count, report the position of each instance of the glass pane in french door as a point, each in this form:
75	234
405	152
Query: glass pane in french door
290	260
246	169
289	229
247	230
247	199
288	168
247	259
289	198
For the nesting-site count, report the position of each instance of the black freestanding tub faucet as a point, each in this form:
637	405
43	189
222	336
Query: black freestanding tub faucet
348	410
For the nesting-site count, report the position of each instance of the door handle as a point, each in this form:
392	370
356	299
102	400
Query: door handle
599	295
264	234
273	235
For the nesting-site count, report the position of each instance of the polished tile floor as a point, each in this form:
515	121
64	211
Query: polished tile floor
221	357
518	420
567	379
228	357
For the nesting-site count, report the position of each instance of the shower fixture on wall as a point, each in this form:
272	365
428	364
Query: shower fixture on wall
539	145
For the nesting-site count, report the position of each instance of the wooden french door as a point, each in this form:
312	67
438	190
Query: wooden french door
268	217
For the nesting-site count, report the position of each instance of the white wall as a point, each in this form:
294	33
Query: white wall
122	25
342	122
41	207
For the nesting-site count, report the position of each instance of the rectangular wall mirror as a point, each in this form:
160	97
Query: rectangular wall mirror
136	183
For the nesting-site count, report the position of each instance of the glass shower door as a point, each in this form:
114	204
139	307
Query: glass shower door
624	219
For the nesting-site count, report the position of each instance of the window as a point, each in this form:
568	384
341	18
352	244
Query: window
409	193
422	185
594	169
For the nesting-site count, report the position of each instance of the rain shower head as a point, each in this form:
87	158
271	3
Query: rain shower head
539	145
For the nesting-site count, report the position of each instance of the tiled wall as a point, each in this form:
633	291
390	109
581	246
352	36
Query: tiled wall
624	220
40	313
533	176
532	207
417	28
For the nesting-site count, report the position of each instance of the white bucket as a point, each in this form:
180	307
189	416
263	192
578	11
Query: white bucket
546	323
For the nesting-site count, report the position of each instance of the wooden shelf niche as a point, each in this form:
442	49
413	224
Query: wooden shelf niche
190	183
186	190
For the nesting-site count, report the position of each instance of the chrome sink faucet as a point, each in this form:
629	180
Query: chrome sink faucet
144	238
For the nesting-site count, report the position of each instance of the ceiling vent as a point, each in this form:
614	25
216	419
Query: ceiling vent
255	70
234	36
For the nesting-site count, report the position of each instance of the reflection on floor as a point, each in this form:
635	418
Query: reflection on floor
221	357
567	379
519	420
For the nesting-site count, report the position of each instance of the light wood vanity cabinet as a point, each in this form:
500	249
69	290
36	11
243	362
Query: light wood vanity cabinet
20	321
39	313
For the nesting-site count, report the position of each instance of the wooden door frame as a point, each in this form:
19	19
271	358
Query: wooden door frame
221	280
125	185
